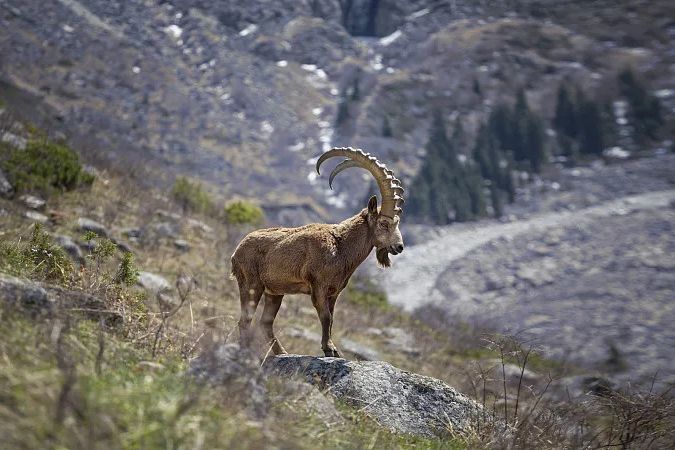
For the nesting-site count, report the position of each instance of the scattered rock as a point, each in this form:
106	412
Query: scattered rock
579	386
57	217
374	331
14	140
70	246
85	224
153	282
32	202
123	246
494	283
404	401
512	372
535	275
199	225
164	229
24	293
36	216
149	366
167	302
302	333
359	350
230	365
401	340
43	298
131	232
181	244
6	189
168	214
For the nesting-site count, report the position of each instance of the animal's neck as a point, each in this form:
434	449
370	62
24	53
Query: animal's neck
354	241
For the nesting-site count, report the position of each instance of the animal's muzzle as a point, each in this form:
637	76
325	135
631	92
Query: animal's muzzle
396	249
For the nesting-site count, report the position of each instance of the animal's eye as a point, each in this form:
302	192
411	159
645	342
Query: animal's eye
384	225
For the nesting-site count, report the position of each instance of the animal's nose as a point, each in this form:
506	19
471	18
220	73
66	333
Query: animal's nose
399	248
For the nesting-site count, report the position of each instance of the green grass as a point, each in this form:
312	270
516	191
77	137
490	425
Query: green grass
365	293
57	392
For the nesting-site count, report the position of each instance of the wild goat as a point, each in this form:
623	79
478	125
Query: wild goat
317	259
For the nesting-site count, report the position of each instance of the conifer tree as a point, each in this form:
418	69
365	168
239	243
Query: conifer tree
645	109
446	189
565	115
386	128
590	128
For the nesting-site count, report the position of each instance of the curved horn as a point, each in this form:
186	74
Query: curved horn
346	164
390	187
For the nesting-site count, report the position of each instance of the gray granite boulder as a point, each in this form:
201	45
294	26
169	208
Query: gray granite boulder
70	246
397	399
32	202
152	282
42	298
85	224
6	189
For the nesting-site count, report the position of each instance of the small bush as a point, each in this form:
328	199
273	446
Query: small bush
192	196
49	260
38	258
241	212
44	166
127	272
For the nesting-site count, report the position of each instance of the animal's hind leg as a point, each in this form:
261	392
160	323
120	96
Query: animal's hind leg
270	310
249	297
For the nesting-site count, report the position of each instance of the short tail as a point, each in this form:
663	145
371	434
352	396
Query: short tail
234	269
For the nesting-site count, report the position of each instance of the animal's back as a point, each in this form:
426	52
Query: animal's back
275	246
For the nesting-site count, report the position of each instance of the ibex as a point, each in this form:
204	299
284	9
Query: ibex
317	259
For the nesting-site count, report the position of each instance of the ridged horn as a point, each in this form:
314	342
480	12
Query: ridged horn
390	186
346	164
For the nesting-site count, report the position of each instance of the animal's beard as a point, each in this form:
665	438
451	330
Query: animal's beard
382	255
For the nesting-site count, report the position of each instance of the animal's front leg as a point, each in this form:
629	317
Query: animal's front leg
322	305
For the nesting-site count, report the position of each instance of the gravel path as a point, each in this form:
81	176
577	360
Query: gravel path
412	279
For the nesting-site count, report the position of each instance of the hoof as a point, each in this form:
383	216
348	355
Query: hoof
332	353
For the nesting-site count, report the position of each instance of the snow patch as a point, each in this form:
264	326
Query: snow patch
282	63
267	128
376	63
616	153
174	31
418	14
296	147
664	93
388	40
252	28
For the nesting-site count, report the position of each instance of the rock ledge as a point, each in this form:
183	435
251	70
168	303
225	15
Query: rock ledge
397	399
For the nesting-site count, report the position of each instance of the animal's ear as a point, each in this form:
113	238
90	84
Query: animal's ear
372	205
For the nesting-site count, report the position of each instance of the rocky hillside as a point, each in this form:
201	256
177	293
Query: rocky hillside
583	269
244	95
115	302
